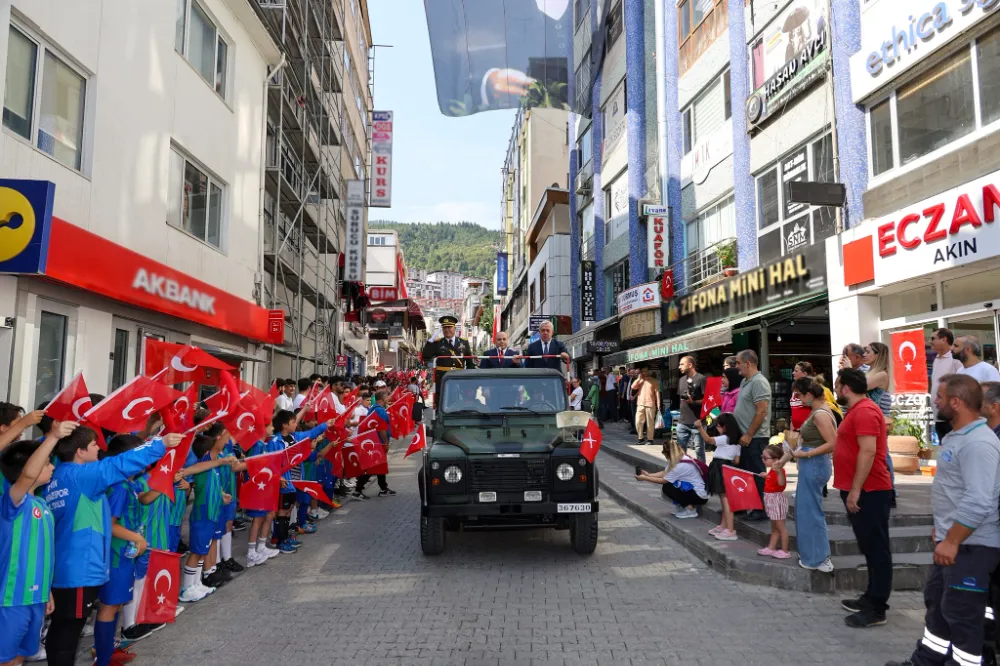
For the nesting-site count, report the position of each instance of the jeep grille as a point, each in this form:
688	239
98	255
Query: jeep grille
508	474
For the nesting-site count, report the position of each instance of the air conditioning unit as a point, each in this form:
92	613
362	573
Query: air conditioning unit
585	179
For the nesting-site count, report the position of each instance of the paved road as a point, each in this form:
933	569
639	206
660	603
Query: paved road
360	592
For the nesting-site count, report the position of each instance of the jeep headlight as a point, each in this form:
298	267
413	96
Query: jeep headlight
564	472
453	474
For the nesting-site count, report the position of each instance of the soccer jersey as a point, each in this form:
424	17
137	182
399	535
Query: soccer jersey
179	505
124	504
227	479
157	517
207	494
27	548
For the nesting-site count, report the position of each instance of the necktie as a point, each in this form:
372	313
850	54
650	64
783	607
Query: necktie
545	348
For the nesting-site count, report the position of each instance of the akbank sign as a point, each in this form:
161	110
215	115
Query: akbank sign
895	36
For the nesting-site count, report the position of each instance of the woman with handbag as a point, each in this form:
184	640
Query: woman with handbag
647	405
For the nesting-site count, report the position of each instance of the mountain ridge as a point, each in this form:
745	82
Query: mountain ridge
461	247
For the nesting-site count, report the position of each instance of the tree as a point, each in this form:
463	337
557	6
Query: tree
486	321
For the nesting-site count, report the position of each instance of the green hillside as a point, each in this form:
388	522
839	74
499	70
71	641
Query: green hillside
462	247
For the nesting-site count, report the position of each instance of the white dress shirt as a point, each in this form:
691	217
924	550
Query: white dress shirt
943	365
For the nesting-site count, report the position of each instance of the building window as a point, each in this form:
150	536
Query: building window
707	113
44	99
119	370
541	286
195	201
581	9
531	306
618	283
767	198
586	144
197	38
687	130
727	92
713	225
691	13
583	91
587	233
616	23
51	362
938	107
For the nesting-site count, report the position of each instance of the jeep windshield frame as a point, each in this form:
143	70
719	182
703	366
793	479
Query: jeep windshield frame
517	394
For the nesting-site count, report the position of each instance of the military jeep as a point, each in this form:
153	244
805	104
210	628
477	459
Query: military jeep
496	459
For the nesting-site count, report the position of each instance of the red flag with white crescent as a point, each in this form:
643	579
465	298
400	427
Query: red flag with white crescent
161	476
297	454
71	403
128	408
314	489
158	604
260	491
352	461
741	488
419	441
181	363
335	455
713	395
372	422
591	442
274	392
909	361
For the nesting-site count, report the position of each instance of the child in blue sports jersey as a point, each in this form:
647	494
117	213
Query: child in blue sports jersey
227	479
206	512
127	528
27	545
284	423
182	488
77	497
258	550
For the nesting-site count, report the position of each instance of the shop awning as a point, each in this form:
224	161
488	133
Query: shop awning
713	336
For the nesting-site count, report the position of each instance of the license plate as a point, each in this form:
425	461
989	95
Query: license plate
532	495
582	507
487	497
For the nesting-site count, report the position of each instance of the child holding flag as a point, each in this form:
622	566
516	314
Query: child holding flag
727	452
382	428
258	550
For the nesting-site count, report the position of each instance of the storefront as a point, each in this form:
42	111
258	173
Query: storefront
75	302
589	346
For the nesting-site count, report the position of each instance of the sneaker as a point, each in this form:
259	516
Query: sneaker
285	547
271	552
765	551
38	656
120	656
826	566
293	529
156	627
687	513
207	589
137	632
308	528
905	662
854	605
310	518
358	496
294	542
386	493
865	619
88	629
239	525
224	573
322	513
214	580
192	594
350	483
255	559
178	611
781	554
726	535
233	566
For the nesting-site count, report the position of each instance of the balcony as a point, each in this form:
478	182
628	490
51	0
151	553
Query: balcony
704	267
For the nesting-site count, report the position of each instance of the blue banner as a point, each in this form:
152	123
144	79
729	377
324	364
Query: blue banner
502	273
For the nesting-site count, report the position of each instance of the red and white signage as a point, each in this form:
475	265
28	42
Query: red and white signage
644	297
656	242
950	229
381	294
341	361
381	192
85	260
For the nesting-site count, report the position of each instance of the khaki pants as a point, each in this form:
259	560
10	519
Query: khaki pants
645	415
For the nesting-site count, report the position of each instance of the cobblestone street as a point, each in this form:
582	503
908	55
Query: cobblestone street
360	592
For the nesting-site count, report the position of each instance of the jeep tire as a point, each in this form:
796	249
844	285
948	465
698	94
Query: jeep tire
583	533
432	535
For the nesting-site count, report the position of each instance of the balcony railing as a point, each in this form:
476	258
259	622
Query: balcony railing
704	266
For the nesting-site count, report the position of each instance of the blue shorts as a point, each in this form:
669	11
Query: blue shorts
228	512
22	631
118	589
304	498
256	513
201	534
142	565
174	537
220	527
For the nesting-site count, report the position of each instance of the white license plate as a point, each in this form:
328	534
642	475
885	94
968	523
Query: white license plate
487	497
582	507
532	495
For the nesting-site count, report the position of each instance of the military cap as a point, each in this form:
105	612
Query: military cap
448	320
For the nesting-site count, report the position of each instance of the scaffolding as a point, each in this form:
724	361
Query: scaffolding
302	216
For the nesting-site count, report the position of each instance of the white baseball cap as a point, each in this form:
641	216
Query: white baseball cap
379	383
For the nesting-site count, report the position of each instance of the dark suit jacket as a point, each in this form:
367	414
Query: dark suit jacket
535	349
496	361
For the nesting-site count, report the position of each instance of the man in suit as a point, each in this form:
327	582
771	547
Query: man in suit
443	349
544	346
500	356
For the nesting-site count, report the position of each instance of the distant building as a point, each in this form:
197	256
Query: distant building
451	283
380	264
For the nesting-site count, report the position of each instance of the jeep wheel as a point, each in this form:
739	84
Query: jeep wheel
583	533
432	535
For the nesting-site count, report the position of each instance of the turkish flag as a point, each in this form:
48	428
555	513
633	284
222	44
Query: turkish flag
373	458
260	491
128	408
184	406
909	361
713	395
274	392
741	489
352	396
351	461
336	457
400	418
396	395
372	422
183	363
322	408
255	393
591	442
667	284
313	489
297	454
161	477
419	441
243	425
71	403
158	604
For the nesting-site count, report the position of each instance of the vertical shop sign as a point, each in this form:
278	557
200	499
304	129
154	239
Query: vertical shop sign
588	291
355	251
381	196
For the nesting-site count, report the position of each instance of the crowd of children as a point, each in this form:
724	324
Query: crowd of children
77	520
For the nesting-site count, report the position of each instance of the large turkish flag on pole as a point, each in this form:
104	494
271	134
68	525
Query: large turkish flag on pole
909	361
741	489
158	603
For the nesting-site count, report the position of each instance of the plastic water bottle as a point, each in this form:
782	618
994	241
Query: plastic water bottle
131	549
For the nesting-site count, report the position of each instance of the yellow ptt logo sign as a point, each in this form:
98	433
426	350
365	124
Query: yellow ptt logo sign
25	220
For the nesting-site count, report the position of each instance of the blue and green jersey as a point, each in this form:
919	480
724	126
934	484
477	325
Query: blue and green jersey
123	501
156	517
27	550
207	494
227	478
179	505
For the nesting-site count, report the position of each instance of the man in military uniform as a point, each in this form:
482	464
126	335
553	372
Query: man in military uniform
442	352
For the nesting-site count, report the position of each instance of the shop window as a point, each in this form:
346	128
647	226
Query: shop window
51	363
971	289
119	370
195	202
909	302
44	99
881	138
982	329
988	56
541	286
199	40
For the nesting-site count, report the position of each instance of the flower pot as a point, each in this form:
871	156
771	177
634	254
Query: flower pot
904	451
925	453
730	271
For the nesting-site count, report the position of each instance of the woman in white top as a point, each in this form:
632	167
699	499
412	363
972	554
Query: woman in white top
682	481
576	395
726	453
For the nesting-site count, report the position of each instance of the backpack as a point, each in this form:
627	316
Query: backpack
702	469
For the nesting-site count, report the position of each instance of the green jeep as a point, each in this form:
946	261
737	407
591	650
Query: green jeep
497	459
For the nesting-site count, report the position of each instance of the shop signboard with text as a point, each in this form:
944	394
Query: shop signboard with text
642	297
588	291
354	256
640	324
781	281
954	228
381	196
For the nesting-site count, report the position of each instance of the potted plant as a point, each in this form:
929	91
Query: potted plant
727	258
906	438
